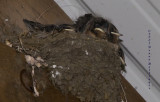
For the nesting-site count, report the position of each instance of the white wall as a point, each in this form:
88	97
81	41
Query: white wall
71	8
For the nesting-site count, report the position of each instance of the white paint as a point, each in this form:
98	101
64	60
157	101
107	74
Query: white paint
54	66
53	76
57	73
39	59
30	60
86	52
60	67
122	100
6	20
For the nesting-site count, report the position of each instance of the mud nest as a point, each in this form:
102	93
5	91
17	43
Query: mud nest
89	68
86	67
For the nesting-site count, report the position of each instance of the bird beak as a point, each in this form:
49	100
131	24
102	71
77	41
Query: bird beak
117	34
99	29
122	61
71	30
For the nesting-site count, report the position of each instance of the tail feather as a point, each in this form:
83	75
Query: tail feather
35	26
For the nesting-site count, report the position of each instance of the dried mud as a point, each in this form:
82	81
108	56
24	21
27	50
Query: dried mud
88	68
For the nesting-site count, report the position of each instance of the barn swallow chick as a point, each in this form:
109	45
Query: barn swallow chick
97	27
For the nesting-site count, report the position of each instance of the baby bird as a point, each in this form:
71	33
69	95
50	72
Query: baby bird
97	27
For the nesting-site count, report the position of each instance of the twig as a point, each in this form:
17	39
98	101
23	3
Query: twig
22	45
36	93
123	92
